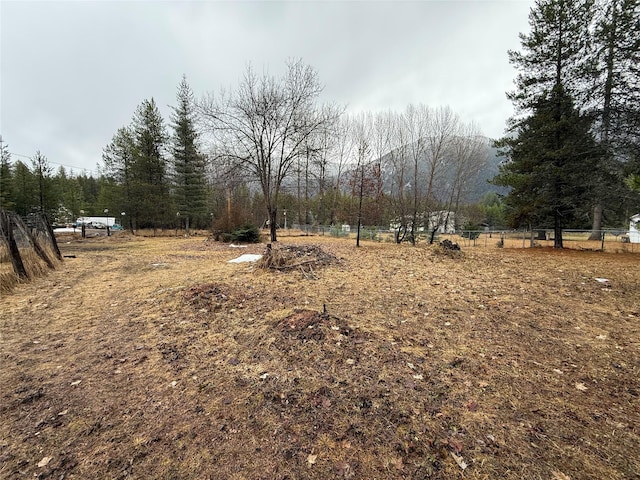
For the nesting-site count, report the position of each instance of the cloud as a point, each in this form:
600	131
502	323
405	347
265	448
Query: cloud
72	73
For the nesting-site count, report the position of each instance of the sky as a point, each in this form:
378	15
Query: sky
73	72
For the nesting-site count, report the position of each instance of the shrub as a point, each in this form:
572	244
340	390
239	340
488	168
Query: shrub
247	233
470	231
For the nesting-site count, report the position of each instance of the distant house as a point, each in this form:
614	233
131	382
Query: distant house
634	229
443	221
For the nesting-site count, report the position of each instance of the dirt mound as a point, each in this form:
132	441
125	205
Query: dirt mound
448	249
294	257
208	296
449	245
310	325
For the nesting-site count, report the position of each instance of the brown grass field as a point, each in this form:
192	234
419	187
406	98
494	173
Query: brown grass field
155	358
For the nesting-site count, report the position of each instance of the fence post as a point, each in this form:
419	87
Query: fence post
52	236
603	234
6	228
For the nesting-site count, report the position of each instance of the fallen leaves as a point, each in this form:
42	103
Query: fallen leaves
560	476
393	391
44	462
344	470
459	460
472	406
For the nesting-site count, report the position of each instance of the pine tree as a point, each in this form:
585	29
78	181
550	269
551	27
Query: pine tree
189	167
46	196
118	158
555	52
554	164
70	194
6	177
616	97
150	185
24	189
551	163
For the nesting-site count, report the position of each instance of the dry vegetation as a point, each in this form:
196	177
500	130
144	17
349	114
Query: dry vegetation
155	358
33	264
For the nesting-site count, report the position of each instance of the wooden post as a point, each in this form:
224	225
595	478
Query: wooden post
34	243
52	237
6	228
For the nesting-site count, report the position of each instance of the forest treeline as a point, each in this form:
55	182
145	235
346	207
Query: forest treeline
571	155
372	168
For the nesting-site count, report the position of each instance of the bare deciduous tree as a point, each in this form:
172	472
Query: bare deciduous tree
362	139
470	152
264	125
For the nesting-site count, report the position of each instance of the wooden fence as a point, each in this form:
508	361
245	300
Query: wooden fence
28	248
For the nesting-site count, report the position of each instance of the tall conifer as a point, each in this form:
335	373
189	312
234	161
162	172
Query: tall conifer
189	168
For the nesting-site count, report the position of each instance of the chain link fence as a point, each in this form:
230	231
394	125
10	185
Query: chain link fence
610	240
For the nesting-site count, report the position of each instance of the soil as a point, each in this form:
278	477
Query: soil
155	358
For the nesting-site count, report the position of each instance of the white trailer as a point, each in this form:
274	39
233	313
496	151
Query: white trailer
634	229
106	221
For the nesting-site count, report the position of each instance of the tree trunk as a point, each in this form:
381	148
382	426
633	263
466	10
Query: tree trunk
433	235
596	230
557	231
272	224
360	205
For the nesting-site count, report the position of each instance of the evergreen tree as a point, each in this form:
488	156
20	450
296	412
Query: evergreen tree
553	160
189	167
47	201
90	192
6	177
24	189
72	197
554	53
616	97
150	185
118	158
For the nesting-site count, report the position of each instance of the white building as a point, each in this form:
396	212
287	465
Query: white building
634	229
106	221
443	220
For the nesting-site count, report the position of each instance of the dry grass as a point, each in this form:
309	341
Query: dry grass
33	264
154	358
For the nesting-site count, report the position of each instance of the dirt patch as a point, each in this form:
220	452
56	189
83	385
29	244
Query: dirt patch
209	296
310	325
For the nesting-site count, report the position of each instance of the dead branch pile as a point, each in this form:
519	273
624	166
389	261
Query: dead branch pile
449	249
294	257
449	245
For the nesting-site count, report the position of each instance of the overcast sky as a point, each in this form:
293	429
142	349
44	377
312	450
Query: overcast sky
73	72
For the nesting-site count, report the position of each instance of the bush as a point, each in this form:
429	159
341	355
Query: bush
336	231
369	234
470	231
246	233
